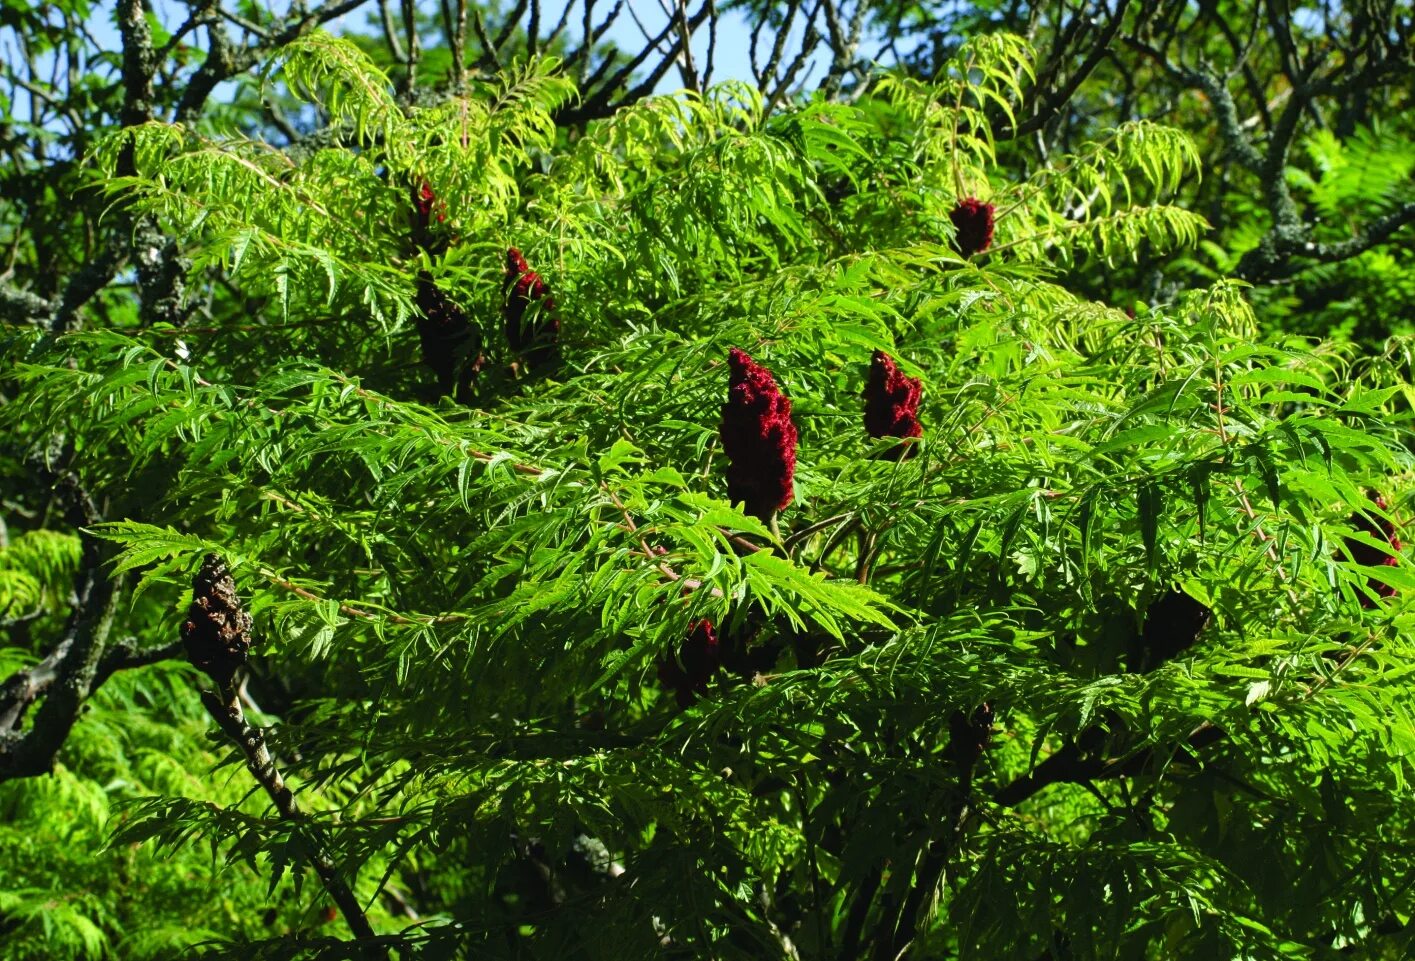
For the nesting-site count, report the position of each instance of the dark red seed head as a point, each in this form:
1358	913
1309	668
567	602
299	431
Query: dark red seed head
423	200
698	659
892	402
516	264
758	438
972	220
538	339
448	339
425	204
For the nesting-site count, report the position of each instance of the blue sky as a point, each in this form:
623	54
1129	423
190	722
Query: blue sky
732	61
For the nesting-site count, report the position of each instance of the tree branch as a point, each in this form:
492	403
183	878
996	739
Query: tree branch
22	307
69	674
1071	765
602	102
226	711
222	63
1279	257
126	655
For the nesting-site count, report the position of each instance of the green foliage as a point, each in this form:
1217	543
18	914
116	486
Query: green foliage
1349	183
461	608
1355	180
67	894
35	568
1301	118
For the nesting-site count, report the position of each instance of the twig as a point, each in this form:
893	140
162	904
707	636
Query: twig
126	655
797	537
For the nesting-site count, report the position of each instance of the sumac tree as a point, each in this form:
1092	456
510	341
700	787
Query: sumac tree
1109	666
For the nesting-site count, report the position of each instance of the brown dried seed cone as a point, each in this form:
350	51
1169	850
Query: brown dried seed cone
217	632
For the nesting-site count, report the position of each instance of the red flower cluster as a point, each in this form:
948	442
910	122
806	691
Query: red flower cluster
972	219
758	438
699	658
424	203
1382	530
427	209
892	403
538	339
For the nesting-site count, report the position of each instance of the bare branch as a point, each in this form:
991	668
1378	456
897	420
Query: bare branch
509	27
390	32
809	41
139	63
603	102
533	29
844	42
413	47
1072	765
84	285
691	81
560	26
250	27
222	63
712	44
490	58
127	655
459	46
592	36
767	73
1060	95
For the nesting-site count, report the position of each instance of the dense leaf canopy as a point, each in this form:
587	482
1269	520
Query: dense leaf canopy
1106	659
